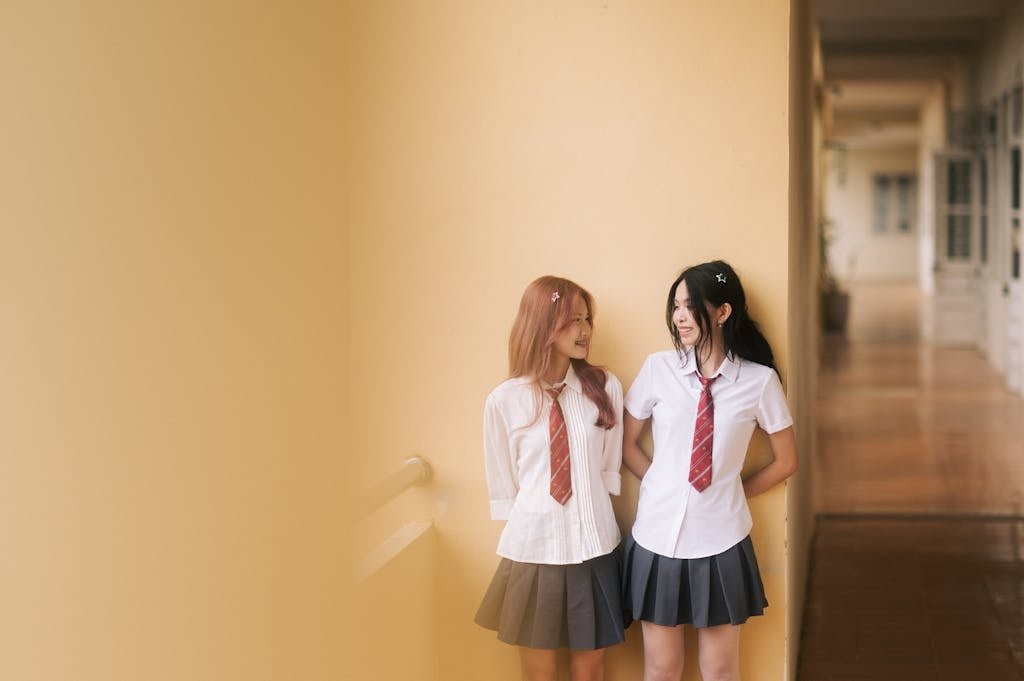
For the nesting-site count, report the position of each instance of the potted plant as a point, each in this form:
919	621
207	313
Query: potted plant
835	302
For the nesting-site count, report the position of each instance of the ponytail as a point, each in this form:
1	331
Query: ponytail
743	338
717	283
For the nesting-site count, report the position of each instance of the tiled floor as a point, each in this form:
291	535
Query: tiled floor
906	598
917	570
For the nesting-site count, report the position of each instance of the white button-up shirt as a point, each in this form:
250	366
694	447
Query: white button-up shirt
517	458
673	519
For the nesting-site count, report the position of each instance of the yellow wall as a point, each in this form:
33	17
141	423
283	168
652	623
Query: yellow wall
805	145
194	285
349	633
612	143
171	292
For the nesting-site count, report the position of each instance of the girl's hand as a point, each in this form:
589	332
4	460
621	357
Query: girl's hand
633	455
783	465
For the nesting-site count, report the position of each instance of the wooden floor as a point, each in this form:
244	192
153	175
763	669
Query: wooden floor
917	569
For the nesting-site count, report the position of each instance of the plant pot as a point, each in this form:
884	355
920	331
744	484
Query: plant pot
835	311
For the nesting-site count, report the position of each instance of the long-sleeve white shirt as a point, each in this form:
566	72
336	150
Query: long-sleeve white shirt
517	458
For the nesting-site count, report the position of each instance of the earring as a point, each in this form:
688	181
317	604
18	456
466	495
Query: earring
720	324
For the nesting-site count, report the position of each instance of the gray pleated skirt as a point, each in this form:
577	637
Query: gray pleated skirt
705	592
556	606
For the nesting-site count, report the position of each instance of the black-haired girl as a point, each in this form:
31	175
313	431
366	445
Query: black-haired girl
689	559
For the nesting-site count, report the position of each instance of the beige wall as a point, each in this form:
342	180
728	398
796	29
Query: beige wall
610	143
998	66
857	252
170	256
805	145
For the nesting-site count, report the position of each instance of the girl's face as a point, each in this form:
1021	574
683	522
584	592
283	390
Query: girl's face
573	342
684	318
688	324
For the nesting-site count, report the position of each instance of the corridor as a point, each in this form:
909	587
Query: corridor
917	569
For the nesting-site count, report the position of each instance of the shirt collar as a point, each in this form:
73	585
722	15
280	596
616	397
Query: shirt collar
571	381
729	369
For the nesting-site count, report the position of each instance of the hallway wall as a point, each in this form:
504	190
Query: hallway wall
806	133
172	289
605	142
998	66
207	306
996	71
931	140
857	252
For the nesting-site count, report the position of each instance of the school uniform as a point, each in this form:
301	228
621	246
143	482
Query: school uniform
559	581
689	558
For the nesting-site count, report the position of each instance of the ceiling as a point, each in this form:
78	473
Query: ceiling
883	58
867	96
905	26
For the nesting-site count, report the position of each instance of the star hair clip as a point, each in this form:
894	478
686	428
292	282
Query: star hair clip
720	277
555	297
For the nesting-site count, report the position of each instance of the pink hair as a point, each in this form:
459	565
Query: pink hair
548	306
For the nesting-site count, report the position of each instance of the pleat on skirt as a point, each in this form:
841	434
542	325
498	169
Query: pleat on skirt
722	589
556	606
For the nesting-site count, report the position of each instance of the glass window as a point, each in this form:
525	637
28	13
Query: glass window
959	192
983	239
1018	109
904	202
1015	178
882	183
983	216
1015	248
958	237
983	180
895	202
1004	110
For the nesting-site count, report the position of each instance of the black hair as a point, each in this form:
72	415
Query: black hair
717	283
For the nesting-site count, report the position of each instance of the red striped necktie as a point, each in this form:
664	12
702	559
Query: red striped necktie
561	470
703	437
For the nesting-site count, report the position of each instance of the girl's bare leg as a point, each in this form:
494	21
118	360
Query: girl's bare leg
538	664
719	653
663	652
587	665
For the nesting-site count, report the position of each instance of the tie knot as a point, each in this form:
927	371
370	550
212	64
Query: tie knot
555	391
706	382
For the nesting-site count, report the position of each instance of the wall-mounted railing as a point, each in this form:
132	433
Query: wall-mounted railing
396	574
414	472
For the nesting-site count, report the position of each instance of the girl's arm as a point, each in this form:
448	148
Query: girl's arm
632	455
499	468
611	470
783	464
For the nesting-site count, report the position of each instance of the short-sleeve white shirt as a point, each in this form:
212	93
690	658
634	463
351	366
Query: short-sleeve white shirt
673	519
517	458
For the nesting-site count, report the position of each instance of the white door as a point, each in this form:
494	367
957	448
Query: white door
1015	311
984	238
992	255
955	314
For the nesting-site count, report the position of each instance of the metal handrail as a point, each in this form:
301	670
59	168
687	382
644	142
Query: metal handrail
414	472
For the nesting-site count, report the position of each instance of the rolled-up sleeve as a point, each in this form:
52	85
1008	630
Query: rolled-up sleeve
498	464
610	472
